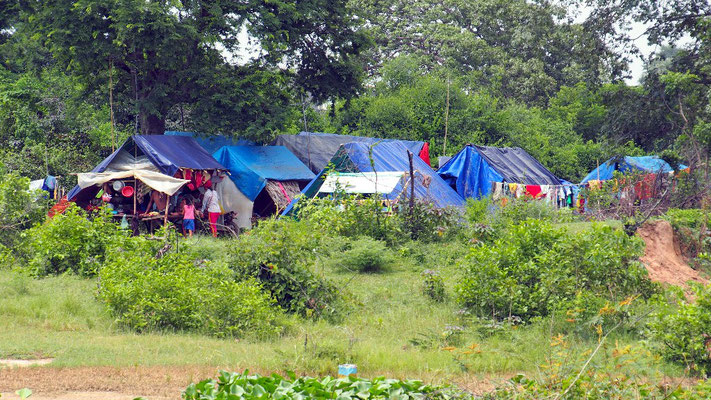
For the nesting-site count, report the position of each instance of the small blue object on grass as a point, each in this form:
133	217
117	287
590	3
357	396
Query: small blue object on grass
345	370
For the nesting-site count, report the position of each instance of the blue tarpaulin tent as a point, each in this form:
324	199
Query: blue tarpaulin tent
263	179
473	170
167	154
212	143
389	157
316	149
251	166
651	164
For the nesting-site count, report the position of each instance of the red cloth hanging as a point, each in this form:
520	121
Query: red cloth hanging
425	153
533	191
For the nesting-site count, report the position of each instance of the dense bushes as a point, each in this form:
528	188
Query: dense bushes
175	292
70	242
683	331
532	267
353	216
277	253
364	255
247	387
19	209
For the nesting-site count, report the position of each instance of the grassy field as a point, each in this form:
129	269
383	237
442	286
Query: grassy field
393	330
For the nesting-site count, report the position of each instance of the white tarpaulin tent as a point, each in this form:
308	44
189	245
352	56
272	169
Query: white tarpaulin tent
362	182
125	165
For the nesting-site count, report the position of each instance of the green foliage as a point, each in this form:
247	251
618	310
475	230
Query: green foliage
279	254
364	255
72	242
176	292
532	266
596	385
681	330
245	386
427	222
19	209
433	285
351	216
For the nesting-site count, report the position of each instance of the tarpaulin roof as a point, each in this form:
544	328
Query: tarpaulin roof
251	166
390	156
212	143
474	168
652	164
316	149
167	153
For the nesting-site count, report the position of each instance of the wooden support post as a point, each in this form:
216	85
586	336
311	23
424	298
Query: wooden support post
165	218
135	193
412	183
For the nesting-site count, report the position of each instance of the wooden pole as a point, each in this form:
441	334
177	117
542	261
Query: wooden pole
111	104
135	193
412	183
165	218
446	122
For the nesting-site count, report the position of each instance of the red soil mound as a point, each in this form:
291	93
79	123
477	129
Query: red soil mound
663	257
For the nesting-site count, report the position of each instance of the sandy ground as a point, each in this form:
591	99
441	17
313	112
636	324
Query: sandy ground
663	257
101	383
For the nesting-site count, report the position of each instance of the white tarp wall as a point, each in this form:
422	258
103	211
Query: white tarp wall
362	182
232	199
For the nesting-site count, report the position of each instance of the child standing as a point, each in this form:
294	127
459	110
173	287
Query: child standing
188	216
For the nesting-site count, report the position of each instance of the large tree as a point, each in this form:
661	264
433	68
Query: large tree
515	48
167	52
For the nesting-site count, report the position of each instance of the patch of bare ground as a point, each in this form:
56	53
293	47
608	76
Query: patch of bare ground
663	257
152	382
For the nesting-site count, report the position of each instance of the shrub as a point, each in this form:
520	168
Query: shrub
682	332
175	293
245	386
278	254
433	285
427	222
70	242
365	255
532	267
19	210
351	216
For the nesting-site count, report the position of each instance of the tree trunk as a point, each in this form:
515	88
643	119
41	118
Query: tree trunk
152	124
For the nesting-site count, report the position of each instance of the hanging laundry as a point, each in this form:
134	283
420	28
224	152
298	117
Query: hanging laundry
520	191
498	190
188	175
534	191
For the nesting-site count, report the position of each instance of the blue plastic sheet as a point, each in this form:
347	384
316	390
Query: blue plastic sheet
650	164
316	149
473	170
251	166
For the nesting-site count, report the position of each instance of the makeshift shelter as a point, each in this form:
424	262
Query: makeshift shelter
263	179
352	163
648	164
473	170
154	160
316	149
212	143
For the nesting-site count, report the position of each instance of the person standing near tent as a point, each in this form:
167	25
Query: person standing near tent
188	216
210	201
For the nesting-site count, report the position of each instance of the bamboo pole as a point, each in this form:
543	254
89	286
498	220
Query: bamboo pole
446	122
165	218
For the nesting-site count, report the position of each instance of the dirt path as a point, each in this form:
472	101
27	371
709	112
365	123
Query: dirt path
663	257
101	383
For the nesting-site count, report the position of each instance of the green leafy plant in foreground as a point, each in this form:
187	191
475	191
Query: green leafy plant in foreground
244	386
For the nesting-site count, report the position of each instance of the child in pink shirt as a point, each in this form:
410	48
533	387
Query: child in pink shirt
188	216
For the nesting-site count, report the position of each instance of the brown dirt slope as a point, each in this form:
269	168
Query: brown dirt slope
663	257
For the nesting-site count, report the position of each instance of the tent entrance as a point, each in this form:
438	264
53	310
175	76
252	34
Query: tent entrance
275	196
